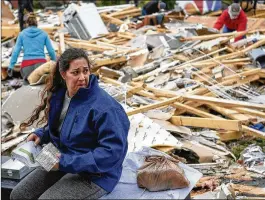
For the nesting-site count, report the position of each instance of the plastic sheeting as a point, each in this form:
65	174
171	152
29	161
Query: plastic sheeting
127	187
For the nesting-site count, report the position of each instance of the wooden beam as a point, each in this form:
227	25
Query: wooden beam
61	34
90	47
112	19
214	36
126	13
153	106
230	125
117	83
253	132
177	67
250	111
231	114
107	61
194	111
254	46
224	102
242	74
229	135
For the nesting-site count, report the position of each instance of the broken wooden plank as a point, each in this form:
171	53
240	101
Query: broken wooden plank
153	106
213	36
242	74
61	34
250	111
224	102
231	114
195	111
107	61
90	47
253	132
125	13
229	135
177	67
112	19
117	83
230	125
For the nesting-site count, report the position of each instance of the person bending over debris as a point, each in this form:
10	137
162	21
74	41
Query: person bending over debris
88	127
153	6
233	19
33	40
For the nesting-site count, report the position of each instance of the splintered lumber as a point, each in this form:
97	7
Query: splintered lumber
229	135
254	46
250	111
107	61
253	132
195	111
90	47
232	114
224	102
153	106
224	61
129	37
230	125
242	74
214	36
117	83
61	34
14	142
112	19
125	13
177	67
170	94
249	190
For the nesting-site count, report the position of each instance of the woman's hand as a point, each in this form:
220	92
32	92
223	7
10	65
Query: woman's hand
33	137
56	166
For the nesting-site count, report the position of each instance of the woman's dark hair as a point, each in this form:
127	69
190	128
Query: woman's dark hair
54	83
32	20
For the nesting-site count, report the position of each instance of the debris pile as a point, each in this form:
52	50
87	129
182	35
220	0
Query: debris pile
186	89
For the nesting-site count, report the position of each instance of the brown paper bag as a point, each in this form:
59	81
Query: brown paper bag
161	173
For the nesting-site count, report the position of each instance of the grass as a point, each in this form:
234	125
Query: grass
237	147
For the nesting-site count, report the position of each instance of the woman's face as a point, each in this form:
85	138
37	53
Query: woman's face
77	76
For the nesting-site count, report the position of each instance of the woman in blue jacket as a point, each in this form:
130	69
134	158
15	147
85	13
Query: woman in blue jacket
32	40
88	127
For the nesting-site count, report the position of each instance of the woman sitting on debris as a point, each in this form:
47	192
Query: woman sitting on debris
32	40
88	127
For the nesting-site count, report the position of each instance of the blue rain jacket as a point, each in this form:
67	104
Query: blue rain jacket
93	138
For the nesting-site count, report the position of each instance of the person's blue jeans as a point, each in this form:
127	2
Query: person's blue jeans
227	30
144	12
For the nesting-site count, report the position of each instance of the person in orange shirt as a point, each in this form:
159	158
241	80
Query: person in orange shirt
232	19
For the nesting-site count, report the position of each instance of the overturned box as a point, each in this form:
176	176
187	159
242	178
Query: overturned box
83	22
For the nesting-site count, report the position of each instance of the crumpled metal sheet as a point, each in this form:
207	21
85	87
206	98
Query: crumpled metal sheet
254	158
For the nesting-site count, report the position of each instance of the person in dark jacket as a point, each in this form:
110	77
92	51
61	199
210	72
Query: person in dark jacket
153	6
22	5
32	40
89	128
232	19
